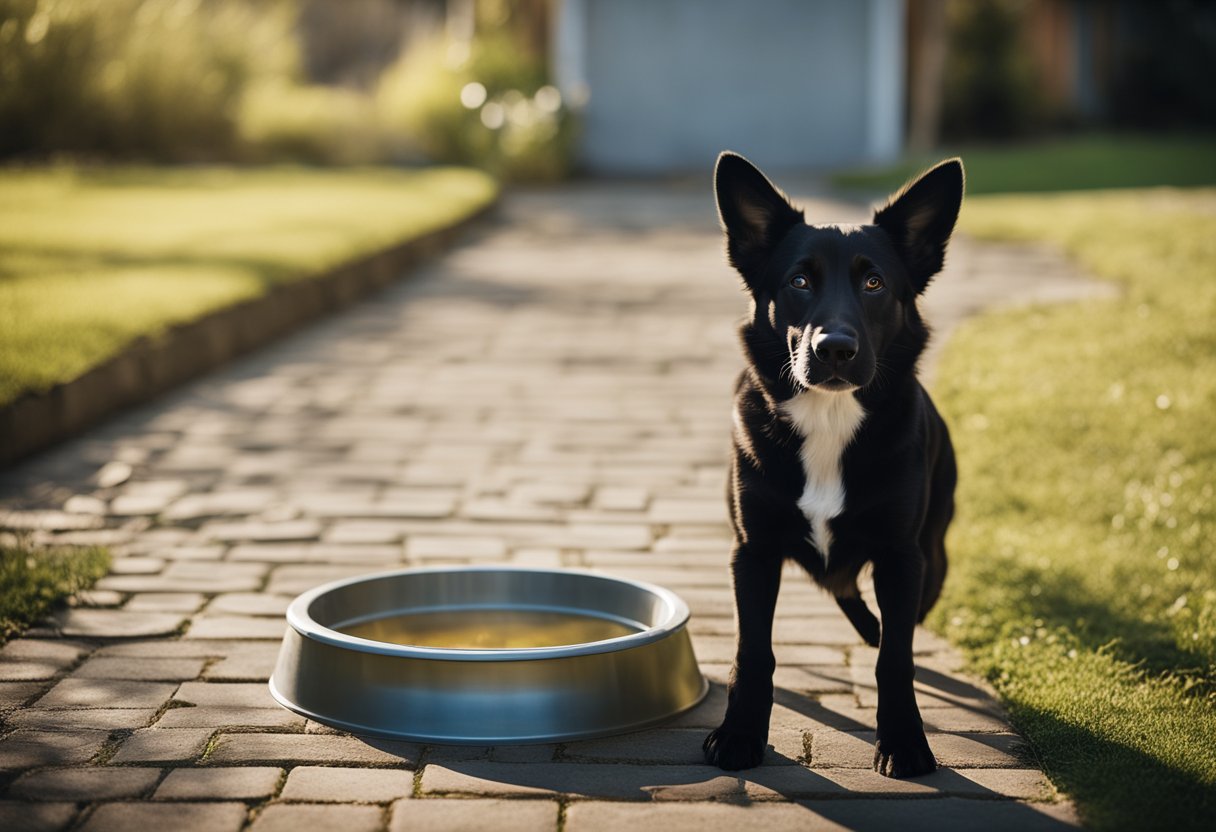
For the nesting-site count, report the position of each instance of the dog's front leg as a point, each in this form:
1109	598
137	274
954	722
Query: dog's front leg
740	740
901	750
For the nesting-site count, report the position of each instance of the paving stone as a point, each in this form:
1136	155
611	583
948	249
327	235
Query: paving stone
414	502
270	553
85	784
249	603
539	558
721	650
36	817
15	694
89	623
98	598
189	576
474	816
236	626
843	749
190	552
609	781
242	749
918	815
157	745
220	503
164	648
31	659
665	510
244	783
428	548
132	505
166	817
316	784
262	531
690	817
620	498
234	695
677	746
81	504
184	602
292	817
26	748
47	520
132	565
256	663
962	720
796	782
147	669
523	753
292	580
106	719
443	754
230	717
107	693
361	553
364	532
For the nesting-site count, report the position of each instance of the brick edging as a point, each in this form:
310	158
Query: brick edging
151	365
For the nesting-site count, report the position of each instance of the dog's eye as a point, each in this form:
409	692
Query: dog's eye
874	283
799	281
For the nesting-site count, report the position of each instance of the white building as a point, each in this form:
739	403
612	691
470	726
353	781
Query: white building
666	84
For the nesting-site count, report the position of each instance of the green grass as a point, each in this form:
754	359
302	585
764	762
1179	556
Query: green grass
33	580
1081	163
1083	575
91	259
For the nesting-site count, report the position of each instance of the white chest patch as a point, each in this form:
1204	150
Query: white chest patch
827	423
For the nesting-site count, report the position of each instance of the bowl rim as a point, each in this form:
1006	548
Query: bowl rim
298	617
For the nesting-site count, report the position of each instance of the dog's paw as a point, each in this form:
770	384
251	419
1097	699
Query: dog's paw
904	757
734	750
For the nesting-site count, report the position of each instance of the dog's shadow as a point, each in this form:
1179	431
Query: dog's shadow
665	764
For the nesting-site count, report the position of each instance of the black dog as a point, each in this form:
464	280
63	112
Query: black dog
840	458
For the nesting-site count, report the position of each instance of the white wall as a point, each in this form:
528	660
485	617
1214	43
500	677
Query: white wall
790	83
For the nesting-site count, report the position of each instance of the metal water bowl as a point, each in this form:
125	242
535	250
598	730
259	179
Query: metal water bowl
487	655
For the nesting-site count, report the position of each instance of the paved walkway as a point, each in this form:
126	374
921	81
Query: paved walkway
555	392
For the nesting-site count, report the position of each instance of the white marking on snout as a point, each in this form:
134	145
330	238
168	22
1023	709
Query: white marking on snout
827	422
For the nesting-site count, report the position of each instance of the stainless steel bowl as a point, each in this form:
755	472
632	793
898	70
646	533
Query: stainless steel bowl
487	655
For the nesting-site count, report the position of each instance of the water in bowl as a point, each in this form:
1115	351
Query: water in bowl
489	629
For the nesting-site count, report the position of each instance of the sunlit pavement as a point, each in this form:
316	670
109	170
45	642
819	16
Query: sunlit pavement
553	392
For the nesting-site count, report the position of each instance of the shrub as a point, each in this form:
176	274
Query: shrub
990	89
158	79
486	104
310	124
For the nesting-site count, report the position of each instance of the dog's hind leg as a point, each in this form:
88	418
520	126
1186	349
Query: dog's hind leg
859	615
901	750
937	519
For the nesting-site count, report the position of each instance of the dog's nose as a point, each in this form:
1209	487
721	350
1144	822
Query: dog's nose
834	347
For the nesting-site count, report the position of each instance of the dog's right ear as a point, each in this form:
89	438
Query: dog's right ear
754	214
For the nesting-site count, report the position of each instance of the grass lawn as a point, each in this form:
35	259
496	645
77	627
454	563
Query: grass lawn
1083	574
1081	163
91	259
31	581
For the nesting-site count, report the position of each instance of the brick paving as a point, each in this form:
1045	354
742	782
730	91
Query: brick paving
554	392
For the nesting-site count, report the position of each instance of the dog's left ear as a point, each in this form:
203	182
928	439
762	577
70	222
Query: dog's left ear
754	214
920	217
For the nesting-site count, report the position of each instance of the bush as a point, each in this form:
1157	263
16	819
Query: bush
156	79
309	124
990	89
486	105
219	80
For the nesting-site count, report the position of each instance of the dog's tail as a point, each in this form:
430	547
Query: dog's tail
859	615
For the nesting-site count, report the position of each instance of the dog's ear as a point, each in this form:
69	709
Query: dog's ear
754	214
920	217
